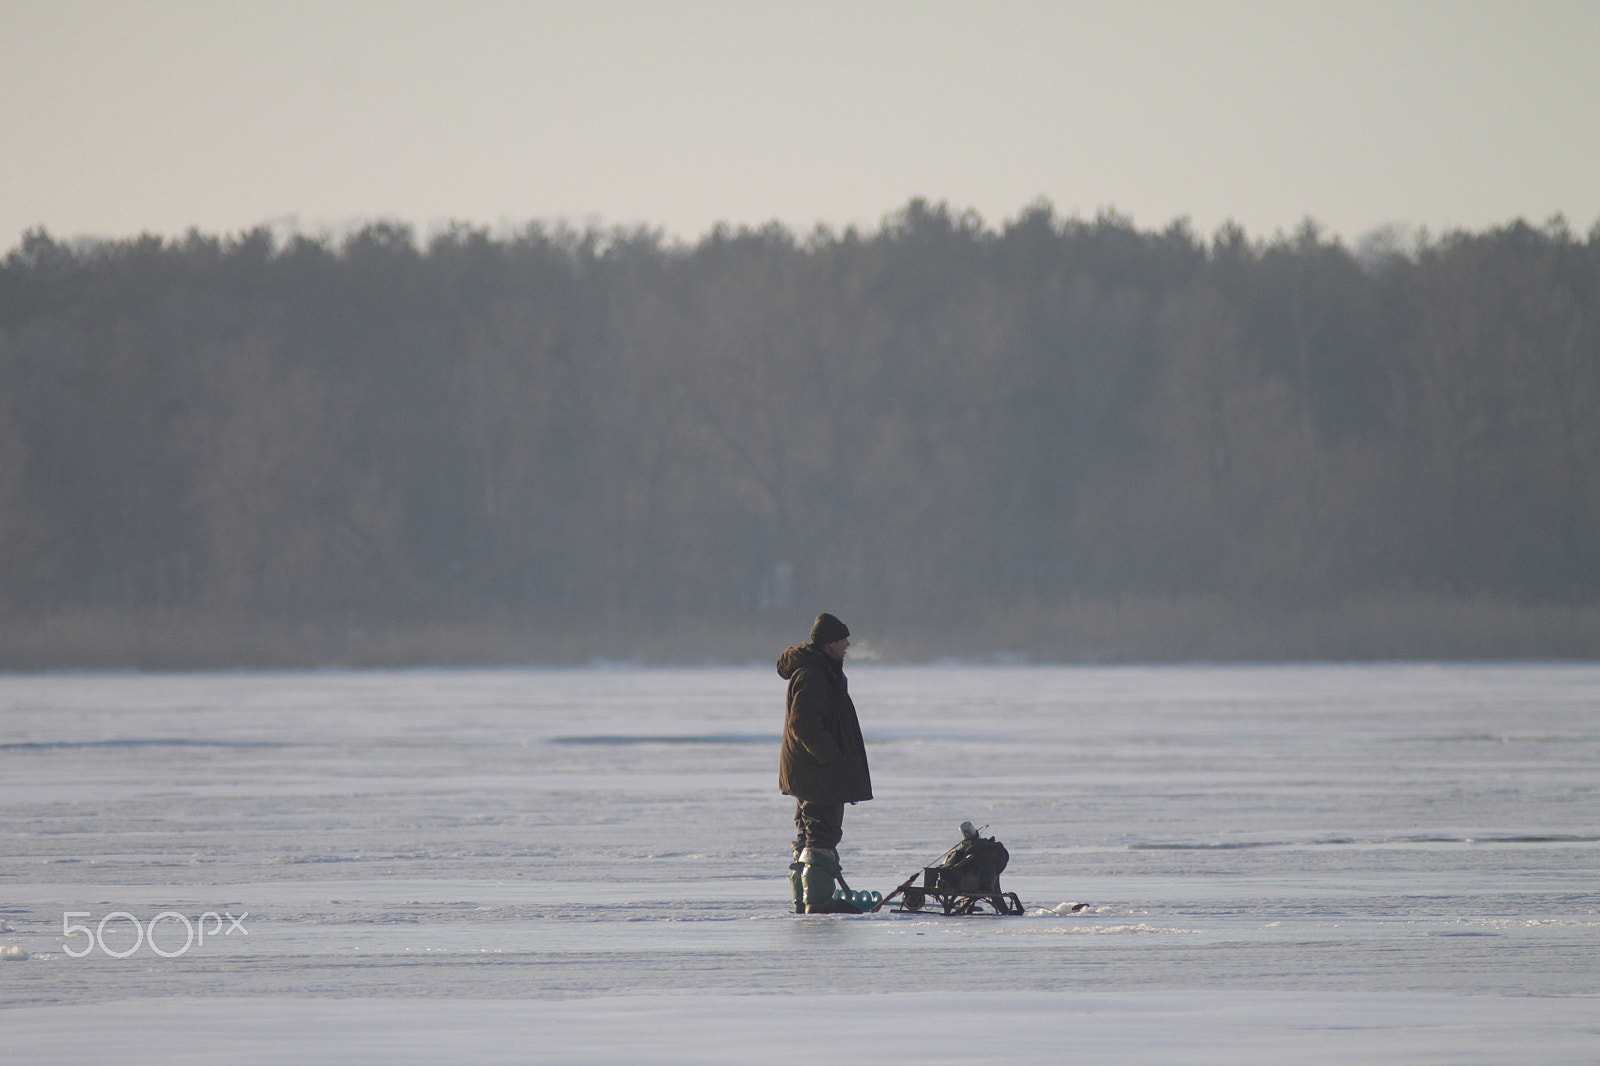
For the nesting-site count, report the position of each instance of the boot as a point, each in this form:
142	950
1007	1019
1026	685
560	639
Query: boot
818	873
797	882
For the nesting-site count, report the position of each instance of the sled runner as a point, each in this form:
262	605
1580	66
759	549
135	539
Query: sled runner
964	881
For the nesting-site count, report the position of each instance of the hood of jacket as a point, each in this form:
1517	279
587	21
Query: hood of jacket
793	658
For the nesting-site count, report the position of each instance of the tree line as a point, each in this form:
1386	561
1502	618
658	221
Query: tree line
936	420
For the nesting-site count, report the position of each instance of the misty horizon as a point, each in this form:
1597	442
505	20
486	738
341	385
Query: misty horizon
1082	439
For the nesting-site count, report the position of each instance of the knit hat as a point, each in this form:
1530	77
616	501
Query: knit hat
827	629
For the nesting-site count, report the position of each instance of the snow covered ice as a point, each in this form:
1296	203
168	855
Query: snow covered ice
1320	864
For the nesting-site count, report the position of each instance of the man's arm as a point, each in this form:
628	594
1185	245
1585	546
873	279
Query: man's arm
807	718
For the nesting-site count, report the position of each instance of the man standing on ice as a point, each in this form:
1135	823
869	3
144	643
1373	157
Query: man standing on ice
824	761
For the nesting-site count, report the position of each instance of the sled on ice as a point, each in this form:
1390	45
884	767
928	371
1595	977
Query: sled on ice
965	881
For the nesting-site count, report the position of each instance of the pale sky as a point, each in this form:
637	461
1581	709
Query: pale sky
125	117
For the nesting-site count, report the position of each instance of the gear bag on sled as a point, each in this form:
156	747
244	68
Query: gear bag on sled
967	876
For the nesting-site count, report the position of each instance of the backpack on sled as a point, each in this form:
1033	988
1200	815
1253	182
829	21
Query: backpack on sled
967	878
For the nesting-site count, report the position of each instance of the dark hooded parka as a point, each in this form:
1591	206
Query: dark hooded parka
824	759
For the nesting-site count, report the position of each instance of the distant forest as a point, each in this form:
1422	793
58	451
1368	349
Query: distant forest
1055	436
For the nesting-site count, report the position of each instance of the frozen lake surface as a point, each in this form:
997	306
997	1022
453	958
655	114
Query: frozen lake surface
1323	864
